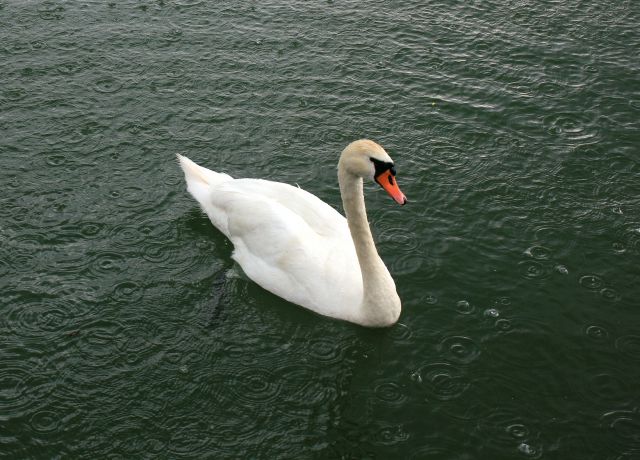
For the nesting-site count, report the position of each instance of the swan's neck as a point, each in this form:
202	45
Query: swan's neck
380	303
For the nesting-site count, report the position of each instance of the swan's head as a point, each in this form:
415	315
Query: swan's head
366	159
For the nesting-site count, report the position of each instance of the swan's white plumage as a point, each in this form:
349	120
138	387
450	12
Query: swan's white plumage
285	239
298	247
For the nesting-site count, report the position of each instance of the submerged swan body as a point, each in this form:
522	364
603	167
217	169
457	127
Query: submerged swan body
298	247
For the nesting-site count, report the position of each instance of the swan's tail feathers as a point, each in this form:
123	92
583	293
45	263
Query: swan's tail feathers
195	173
200	180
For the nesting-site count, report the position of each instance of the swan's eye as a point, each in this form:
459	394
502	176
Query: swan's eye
382	166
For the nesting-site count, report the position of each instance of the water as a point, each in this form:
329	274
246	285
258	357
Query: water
127	332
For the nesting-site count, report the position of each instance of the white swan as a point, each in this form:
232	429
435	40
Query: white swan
298	247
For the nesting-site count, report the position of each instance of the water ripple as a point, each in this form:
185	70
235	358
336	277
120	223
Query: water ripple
603	387
106	263
187	3
255	385
464	307
304	394
572	127
591	282
561	269
65	41
492	312
631	237
503	325
136	198
107	85
32	318
460	349
534	335
96	342
129	234
440	381
22	389
71	67
597	333
506	430
629	345
91	230
530	450
609	294
448	154
390	435
128	292
436	451
406	264
538	252
13	94
395	239
191	439
14	384
400	332
50	11
325	350
533	270
45	421
550	235
624	427
390	393
17	48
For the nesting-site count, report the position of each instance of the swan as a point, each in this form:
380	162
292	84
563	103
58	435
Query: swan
297	246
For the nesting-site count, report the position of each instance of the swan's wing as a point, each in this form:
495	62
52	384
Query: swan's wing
203	184
321	217
291	243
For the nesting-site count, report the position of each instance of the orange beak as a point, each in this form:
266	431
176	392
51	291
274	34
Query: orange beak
388	182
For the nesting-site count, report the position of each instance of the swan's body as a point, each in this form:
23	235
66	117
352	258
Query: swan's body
298	247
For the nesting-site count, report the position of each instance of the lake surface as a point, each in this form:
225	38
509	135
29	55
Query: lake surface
127	330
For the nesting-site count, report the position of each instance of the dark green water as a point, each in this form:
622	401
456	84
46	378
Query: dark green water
127	332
